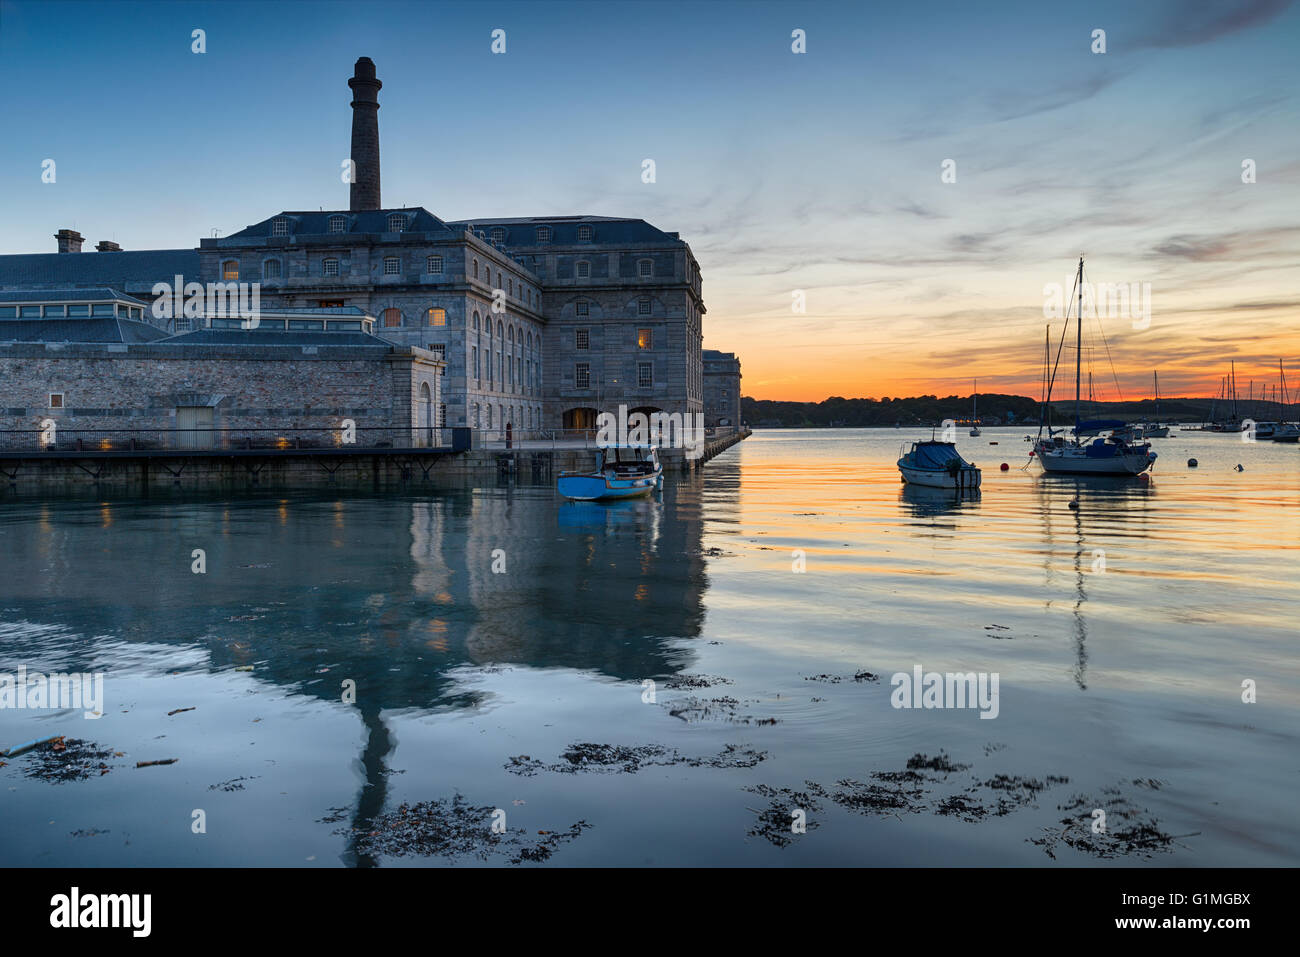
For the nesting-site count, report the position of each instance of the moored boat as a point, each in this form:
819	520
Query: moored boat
935	464
622	471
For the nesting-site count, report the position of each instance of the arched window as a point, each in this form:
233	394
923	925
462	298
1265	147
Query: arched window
475	268
501	330
230	270
338	224
329	267
435	316
510	334
476	328
392	318
271	269
499	286
396	222
530	340
473	415
488	407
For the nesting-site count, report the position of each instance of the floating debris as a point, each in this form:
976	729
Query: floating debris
150	764
1084	830
61	759
234	784
695	681
611	758
179	711
775	822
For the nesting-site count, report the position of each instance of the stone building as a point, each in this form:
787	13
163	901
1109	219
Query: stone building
721	389
542	322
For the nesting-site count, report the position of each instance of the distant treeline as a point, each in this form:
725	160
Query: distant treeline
927	410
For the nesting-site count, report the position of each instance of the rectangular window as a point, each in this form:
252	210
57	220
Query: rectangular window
230	270
433	264
55	312
271	269
100	309
392	266
313	325
582	375
644	339
439	349
280	227
330	267
584	270
643	307
78	312
10	312
645	374
581	339
645	268
56	400
474	350
329	303
582	308
34	312
436	316
519	373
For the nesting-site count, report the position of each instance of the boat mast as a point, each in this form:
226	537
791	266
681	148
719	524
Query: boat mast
1078	349
1156	376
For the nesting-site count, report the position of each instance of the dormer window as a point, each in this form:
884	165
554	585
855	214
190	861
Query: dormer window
396	222
498	234
329	267
338	224
644	268
280	227
584	269
543	234
584	234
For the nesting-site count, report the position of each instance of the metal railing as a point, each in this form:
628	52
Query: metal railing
228	439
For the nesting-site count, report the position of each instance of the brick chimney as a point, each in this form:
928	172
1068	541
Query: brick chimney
107	246
364	190
69	240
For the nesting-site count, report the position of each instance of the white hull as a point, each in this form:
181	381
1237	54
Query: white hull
1077	462
965	479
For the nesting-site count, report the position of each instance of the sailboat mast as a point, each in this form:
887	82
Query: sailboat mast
1156	376
1078	349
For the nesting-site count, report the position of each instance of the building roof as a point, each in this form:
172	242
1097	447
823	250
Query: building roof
316	222
107	329
522	231
264	337
89	294
113	269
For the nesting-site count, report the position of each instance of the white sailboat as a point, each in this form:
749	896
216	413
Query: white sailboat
1096	447
974	409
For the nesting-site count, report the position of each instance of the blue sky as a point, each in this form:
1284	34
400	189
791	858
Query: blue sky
817	171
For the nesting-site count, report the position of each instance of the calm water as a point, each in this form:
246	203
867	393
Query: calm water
1126	679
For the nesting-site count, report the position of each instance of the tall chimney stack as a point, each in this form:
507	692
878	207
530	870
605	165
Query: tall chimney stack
69	240
364	191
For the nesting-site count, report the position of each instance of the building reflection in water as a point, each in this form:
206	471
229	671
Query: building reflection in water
394	593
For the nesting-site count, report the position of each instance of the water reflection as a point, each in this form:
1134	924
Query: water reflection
923	502
395	594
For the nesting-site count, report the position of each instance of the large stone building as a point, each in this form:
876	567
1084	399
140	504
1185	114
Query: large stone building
721	389
542	322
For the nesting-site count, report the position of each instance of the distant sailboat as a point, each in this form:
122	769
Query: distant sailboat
1107	453
1154	430
974	409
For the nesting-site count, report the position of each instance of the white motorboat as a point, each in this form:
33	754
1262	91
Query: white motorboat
936	464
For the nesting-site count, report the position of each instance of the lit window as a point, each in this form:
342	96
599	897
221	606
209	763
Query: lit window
644	268
581	339
645	374
56	400
230	269
644	339
271	269
498	234
329	267
584	234
543	234
582	307
396	223
338	224
436	316
584	270
643	307
392	317
582	375
392	266
433	264
280	227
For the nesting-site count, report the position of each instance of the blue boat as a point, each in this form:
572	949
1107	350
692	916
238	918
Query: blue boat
622	471
937	465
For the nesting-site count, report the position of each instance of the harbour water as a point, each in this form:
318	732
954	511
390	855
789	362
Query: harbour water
667	681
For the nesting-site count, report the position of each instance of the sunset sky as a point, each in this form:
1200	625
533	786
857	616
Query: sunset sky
817	171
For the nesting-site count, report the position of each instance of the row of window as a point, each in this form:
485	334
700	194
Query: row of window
78	311
522	372
397	223
506	416
582	338
644	307
644	269
645	375
433	316
506	283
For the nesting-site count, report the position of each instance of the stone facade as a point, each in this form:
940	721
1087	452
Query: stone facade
721	389
264	393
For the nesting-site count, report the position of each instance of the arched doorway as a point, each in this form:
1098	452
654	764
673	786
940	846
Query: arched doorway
426	416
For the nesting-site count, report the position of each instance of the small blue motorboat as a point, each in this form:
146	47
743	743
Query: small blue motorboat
622	471
938	465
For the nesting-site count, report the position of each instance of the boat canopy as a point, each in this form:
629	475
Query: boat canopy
935	455
1099	425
